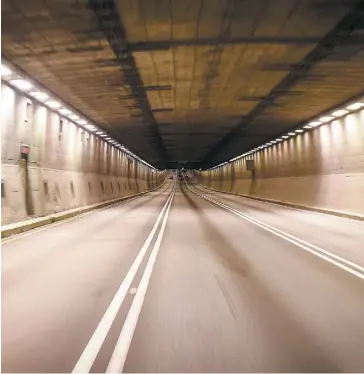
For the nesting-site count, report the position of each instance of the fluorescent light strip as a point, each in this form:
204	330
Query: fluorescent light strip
64	111
340	113
5	71
53	104
355	106
326	119
315	123
22	84
41	96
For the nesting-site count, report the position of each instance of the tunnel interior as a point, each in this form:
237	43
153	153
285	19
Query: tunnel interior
182	186
190	83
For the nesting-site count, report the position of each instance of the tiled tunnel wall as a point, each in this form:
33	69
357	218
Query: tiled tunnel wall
323	167
67	167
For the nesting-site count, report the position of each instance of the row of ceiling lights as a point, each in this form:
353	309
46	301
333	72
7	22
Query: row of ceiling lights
24	85
353	107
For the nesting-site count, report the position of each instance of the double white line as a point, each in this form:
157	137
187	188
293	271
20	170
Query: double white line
121	349
315	250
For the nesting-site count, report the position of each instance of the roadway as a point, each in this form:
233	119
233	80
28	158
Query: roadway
185	279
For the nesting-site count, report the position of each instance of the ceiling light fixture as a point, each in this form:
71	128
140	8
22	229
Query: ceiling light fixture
53	104
314	124
355	106
326	119
81	121
299	131
73	117
285	137
22	84
90	127
340	112
5	71
291	133
65	111
41	96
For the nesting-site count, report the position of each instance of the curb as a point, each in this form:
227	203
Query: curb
338	213
68	214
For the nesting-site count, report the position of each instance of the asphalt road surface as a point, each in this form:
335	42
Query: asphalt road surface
185	279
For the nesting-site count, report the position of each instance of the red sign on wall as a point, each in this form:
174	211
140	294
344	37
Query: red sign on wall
24	151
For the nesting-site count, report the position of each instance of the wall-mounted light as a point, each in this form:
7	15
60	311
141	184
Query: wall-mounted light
65	111
81	121
291	134
5	71
41	96
340	113
299	131
22	84
90	128
53	104
73	117
326	119
355	106
314	124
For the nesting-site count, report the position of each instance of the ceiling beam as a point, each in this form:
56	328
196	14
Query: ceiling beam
110	24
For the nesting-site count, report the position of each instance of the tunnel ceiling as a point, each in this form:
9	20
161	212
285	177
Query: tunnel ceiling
191	81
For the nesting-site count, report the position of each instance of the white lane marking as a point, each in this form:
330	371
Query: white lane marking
243	215
133	291
277	204
36	230
92	348
118	358
338	261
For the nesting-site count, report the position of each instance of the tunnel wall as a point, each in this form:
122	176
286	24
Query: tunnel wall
323	167
67	167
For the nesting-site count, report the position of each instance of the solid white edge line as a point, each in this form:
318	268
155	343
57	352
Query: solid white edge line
314	247
118	358
277	204
93	347
325	255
